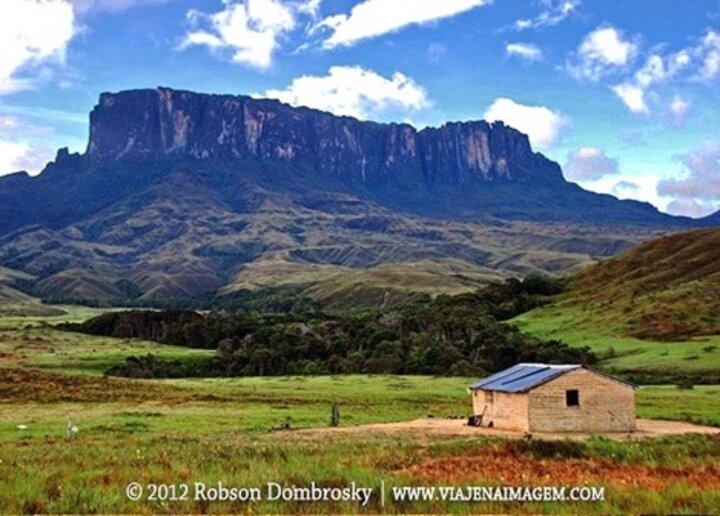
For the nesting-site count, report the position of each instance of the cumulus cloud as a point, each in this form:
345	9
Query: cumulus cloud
552	14
657	69
542	125
633	97
625	190
697	62
689	208
526	51
354	91
709	51
602	51
701	182
22	146
12	155
372	18
589	164
251	30
32	34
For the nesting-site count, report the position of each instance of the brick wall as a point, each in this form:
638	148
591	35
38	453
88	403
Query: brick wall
606	405
505	410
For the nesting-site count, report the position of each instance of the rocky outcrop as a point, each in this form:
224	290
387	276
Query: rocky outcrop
152	125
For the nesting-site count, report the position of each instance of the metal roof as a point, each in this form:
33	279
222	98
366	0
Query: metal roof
522	377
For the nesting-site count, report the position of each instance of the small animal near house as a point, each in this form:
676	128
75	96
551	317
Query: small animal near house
554	398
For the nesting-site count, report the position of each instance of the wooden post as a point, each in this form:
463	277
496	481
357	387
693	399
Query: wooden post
335	416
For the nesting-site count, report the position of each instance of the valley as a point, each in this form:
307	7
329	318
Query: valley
206	430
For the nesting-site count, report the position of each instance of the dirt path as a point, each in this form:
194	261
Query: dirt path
457	427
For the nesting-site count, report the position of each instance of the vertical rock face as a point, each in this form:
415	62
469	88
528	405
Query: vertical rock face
146	125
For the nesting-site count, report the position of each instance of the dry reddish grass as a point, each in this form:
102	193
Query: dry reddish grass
32	385
504	464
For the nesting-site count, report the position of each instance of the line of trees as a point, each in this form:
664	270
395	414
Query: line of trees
461	335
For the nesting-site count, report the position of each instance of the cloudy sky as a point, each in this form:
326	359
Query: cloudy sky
623	94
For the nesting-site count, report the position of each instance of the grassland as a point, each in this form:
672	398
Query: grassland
207	430
652	313
620	353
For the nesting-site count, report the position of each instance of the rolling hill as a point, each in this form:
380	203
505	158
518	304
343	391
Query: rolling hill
665	289
8	286
654	310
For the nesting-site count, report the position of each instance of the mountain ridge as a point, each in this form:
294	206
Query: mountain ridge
181	193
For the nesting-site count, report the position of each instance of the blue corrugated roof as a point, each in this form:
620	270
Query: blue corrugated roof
522	377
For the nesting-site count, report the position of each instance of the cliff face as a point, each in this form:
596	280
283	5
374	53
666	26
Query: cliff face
180	193
152	125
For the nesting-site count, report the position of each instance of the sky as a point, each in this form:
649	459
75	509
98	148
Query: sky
623	94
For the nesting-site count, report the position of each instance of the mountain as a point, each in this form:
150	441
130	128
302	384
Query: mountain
664	289
180	193
9	292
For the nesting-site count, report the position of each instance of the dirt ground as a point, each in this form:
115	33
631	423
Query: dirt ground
458	427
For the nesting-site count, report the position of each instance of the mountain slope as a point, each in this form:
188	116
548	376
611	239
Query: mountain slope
181	193
652	312
8	286
667	288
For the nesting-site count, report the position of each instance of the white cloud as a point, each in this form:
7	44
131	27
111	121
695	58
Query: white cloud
251	30
552	14
32	33
702	177
657	69
372	18
653	71
22	146
679	108
625	190
525	51
697	192
12	155
709	50
700	62
632	96
541	124
354	91
589	164
603	50
690	208
627	185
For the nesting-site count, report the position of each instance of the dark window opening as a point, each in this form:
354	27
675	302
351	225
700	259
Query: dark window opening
572	398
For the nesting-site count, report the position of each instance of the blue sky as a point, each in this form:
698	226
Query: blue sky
623	94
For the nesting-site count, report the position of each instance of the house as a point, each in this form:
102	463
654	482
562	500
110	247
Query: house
554	398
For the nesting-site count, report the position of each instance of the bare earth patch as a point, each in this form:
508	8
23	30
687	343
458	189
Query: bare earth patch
458	427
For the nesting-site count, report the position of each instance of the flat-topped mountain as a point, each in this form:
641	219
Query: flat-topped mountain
152	125
180	193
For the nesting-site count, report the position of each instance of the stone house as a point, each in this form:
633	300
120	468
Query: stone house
554	398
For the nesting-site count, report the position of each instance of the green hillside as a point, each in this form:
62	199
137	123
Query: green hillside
654	310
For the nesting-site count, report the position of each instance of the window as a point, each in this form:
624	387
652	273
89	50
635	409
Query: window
489	398
572	398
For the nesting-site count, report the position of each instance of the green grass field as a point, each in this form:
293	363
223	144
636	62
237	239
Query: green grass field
619	353
207	430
